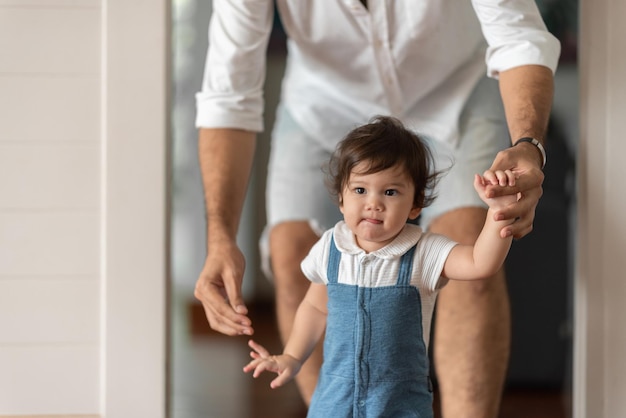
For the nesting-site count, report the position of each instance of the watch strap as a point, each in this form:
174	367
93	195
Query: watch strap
537	144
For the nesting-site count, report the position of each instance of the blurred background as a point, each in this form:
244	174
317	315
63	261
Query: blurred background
207	380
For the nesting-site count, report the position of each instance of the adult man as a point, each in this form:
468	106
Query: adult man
423	62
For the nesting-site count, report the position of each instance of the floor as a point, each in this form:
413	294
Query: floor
208	381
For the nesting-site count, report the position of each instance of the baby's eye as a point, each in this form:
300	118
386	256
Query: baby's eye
359	190
391	192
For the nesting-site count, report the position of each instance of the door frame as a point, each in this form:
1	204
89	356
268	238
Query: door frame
135	205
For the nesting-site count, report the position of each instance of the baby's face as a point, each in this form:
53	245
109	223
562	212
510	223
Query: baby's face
376	206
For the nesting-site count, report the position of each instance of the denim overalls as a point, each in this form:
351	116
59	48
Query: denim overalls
375	360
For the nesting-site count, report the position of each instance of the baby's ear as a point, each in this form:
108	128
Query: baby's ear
414	213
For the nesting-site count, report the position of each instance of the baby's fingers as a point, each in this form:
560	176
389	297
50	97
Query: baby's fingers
489	177
259	350
252	365
255	365
505	178
500	177
265	366
280	380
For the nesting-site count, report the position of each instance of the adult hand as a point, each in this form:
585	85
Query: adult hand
219	288
524	161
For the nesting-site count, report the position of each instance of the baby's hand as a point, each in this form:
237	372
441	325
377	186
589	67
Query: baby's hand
284	365
496	178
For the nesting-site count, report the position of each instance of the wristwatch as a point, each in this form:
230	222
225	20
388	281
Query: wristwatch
536	143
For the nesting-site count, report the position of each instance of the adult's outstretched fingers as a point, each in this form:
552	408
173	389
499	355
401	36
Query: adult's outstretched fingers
523	212
219	312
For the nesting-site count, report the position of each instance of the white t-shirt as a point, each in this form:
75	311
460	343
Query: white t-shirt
418	61
380	268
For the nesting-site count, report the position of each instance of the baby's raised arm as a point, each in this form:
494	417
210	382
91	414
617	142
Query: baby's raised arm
486	256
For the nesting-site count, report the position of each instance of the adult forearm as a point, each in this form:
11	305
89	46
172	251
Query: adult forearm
225	157
527	93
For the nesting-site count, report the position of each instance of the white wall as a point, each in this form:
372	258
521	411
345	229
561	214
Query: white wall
83	238
49	206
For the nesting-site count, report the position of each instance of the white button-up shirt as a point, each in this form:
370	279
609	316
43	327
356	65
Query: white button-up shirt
416	60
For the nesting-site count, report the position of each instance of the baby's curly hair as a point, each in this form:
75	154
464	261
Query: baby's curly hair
384	142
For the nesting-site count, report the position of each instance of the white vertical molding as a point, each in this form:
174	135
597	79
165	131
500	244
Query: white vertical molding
600	312
103	206
136	39
588	344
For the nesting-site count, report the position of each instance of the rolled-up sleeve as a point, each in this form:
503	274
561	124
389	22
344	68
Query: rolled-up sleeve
234	72
516	35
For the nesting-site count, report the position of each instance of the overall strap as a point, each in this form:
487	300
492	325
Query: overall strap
334	256
406	267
